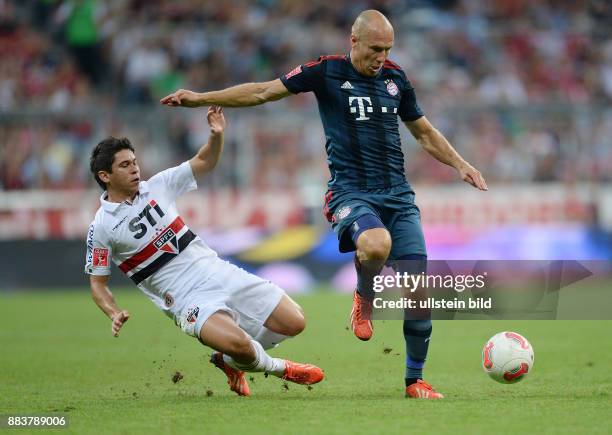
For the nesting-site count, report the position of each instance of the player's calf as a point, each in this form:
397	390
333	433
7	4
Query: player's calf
373	248
373	243
222	334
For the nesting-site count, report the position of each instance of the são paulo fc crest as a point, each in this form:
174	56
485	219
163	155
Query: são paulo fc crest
192	314
343	212
167	242
391	87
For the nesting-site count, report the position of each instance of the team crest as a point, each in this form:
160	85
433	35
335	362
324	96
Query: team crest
167	242
343	212
192	314
391	87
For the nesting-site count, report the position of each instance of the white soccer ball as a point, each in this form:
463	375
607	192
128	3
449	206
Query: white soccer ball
507	357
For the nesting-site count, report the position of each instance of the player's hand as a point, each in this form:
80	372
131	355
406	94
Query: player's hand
118	320
183	98
471	175
216	120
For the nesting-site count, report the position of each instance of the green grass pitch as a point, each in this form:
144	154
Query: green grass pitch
57	355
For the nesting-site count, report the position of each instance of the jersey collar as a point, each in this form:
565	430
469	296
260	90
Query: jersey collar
112	207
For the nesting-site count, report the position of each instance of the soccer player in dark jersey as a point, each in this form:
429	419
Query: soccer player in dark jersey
369	202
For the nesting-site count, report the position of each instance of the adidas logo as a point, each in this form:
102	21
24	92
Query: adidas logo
346	85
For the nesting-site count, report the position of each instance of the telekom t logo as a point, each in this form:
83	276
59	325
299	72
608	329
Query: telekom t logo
362	107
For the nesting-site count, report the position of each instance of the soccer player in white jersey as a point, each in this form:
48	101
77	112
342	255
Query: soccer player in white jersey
138	227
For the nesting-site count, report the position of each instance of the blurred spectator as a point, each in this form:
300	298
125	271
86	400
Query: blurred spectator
517	86
80	20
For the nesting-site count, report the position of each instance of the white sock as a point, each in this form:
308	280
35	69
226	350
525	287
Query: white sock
262	363
269	339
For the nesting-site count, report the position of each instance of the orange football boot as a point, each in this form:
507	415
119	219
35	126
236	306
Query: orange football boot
305	374
422	390
235	378
361	314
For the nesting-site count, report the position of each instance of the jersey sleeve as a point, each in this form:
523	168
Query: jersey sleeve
175	181
99	251
304	78
409	109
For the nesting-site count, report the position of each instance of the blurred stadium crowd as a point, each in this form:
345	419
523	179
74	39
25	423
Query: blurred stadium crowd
522	88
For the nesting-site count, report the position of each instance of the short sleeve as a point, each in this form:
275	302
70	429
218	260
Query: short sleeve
304	78
99	251
177	180
409	109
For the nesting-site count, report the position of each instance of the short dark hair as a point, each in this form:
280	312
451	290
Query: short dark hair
103	156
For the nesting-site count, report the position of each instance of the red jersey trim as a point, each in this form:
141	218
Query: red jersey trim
325	57
149	250
391	65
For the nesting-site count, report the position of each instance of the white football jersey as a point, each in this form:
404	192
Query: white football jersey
149	241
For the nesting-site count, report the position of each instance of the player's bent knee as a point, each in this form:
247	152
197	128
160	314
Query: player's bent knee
290	326
299	309
374	245
295	326
298	321
287	318
378	252
295	308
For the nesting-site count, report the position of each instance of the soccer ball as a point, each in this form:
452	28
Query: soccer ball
507	357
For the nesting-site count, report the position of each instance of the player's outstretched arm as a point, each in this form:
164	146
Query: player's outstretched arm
208	156
248	94
103	297
436	144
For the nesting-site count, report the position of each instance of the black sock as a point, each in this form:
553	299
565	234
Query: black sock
416	334
410	381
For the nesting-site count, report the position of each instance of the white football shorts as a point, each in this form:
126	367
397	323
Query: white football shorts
248	298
